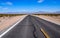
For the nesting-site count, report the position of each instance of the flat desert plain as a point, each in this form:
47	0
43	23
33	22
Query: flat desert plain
53	19
6	22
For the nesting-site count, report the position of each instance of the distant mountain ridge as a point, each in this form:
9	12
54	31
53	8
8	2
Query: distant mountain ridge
39	12
42	12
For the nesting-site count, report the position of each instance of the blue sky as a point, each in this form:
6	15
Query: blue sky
29	5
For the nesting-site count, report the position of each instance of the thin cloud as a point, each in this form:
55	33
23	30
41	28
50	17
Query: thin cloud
5	8
0	6
40	1
7	3
23	10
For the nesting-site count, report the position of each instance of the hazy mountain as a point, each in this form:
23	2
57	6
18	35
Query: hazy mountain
42	12
39	12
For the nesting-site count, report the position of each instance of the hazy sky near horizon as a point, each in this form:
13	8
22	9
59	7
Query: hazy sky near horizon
29	5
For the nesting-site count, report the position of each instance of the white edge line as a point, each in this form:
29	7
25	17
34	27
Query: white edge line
10	28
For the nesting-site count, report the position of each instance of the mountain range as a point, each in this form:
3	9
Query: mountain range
39	12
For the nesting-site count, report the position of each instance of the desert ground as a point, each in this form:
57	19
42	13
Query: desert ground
53	19
6	21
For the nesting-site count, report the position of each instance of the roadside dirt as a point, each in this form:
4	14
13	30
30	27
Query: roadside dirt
8	21
53	19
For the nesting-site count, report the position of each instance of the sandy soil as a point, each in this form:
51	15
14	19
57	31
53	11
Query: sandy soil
53	19
8	21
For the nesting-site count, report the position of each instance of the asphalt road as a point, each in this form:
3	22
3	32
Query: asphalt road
31	27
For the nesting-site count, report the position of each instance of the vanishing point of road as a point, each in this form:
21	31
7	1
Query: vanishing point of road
34	27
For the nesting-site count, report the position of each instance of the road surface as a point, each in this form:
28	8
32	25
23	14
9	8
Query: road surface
34	27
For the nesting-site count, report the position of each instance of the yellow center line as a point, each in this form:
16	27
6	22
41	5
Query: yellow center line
46	35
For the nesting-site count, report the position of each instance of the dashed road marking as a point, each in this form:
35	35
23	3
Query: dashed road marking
44	32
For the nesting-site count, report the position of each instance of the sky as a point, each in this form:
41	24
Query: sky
29	5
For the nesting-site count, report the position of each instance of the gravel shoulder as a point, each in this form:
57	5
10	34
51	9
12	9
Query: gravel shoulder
9	21
53	19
